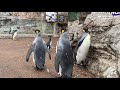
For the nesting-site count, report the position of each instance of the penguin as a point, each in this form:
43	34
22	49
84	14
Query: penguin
14	34
38	49
49	43
81	49
64	57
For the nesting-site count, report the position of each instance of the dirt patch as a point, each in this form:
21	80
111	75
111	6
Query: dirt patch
13	64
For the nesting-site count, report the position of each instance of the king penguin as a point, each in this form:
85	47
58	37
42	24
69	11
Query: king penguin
39	49
64	57
82	48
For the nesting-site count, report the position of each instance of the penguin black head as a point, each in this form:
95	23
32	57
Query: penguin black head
37	31
14	30
18	27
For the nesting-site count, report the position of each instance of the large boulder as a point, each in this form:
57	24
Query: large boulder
74	32
104	60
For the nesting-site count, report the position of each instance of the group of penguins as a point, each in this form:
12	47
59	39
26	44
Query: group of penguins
65	57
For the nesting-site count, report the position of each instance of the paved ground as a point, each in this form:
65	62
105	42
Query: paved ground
13	64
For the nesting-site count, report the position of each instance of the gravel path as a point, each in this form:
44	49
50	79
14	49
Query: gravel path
13	64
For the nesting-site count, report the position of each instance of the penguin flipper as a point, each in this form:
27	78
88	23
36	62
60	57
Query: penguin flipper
10	32
58	58
57	63
47	50
31	49
81	39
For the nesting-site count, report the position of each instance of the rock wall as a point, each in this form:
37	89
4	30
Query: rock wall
104	60
74	33
27	21
76	29
104	53
29	15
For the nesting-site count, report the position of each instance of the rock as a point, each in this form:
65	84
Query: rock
48	70
104	60
26	21
98	19
70	38
111	72
75	36
74	43
104	64
116	20
74	32
119	64
113	37
28	15
71	42
94	67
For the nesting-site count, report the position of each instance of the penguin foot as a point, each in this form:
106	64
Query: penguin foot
60	77
56	77
36	68
75	62
64	76
82	66
39	68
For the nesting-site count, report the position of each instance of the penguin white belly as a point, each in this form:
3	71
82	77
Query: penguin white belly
56	48
60	70
33	57
83	50
14	36
50	43
48	47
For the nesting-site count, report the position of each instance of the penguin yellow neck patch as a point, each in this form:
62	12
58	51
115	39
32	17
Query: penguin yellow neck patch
36	32
63	31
